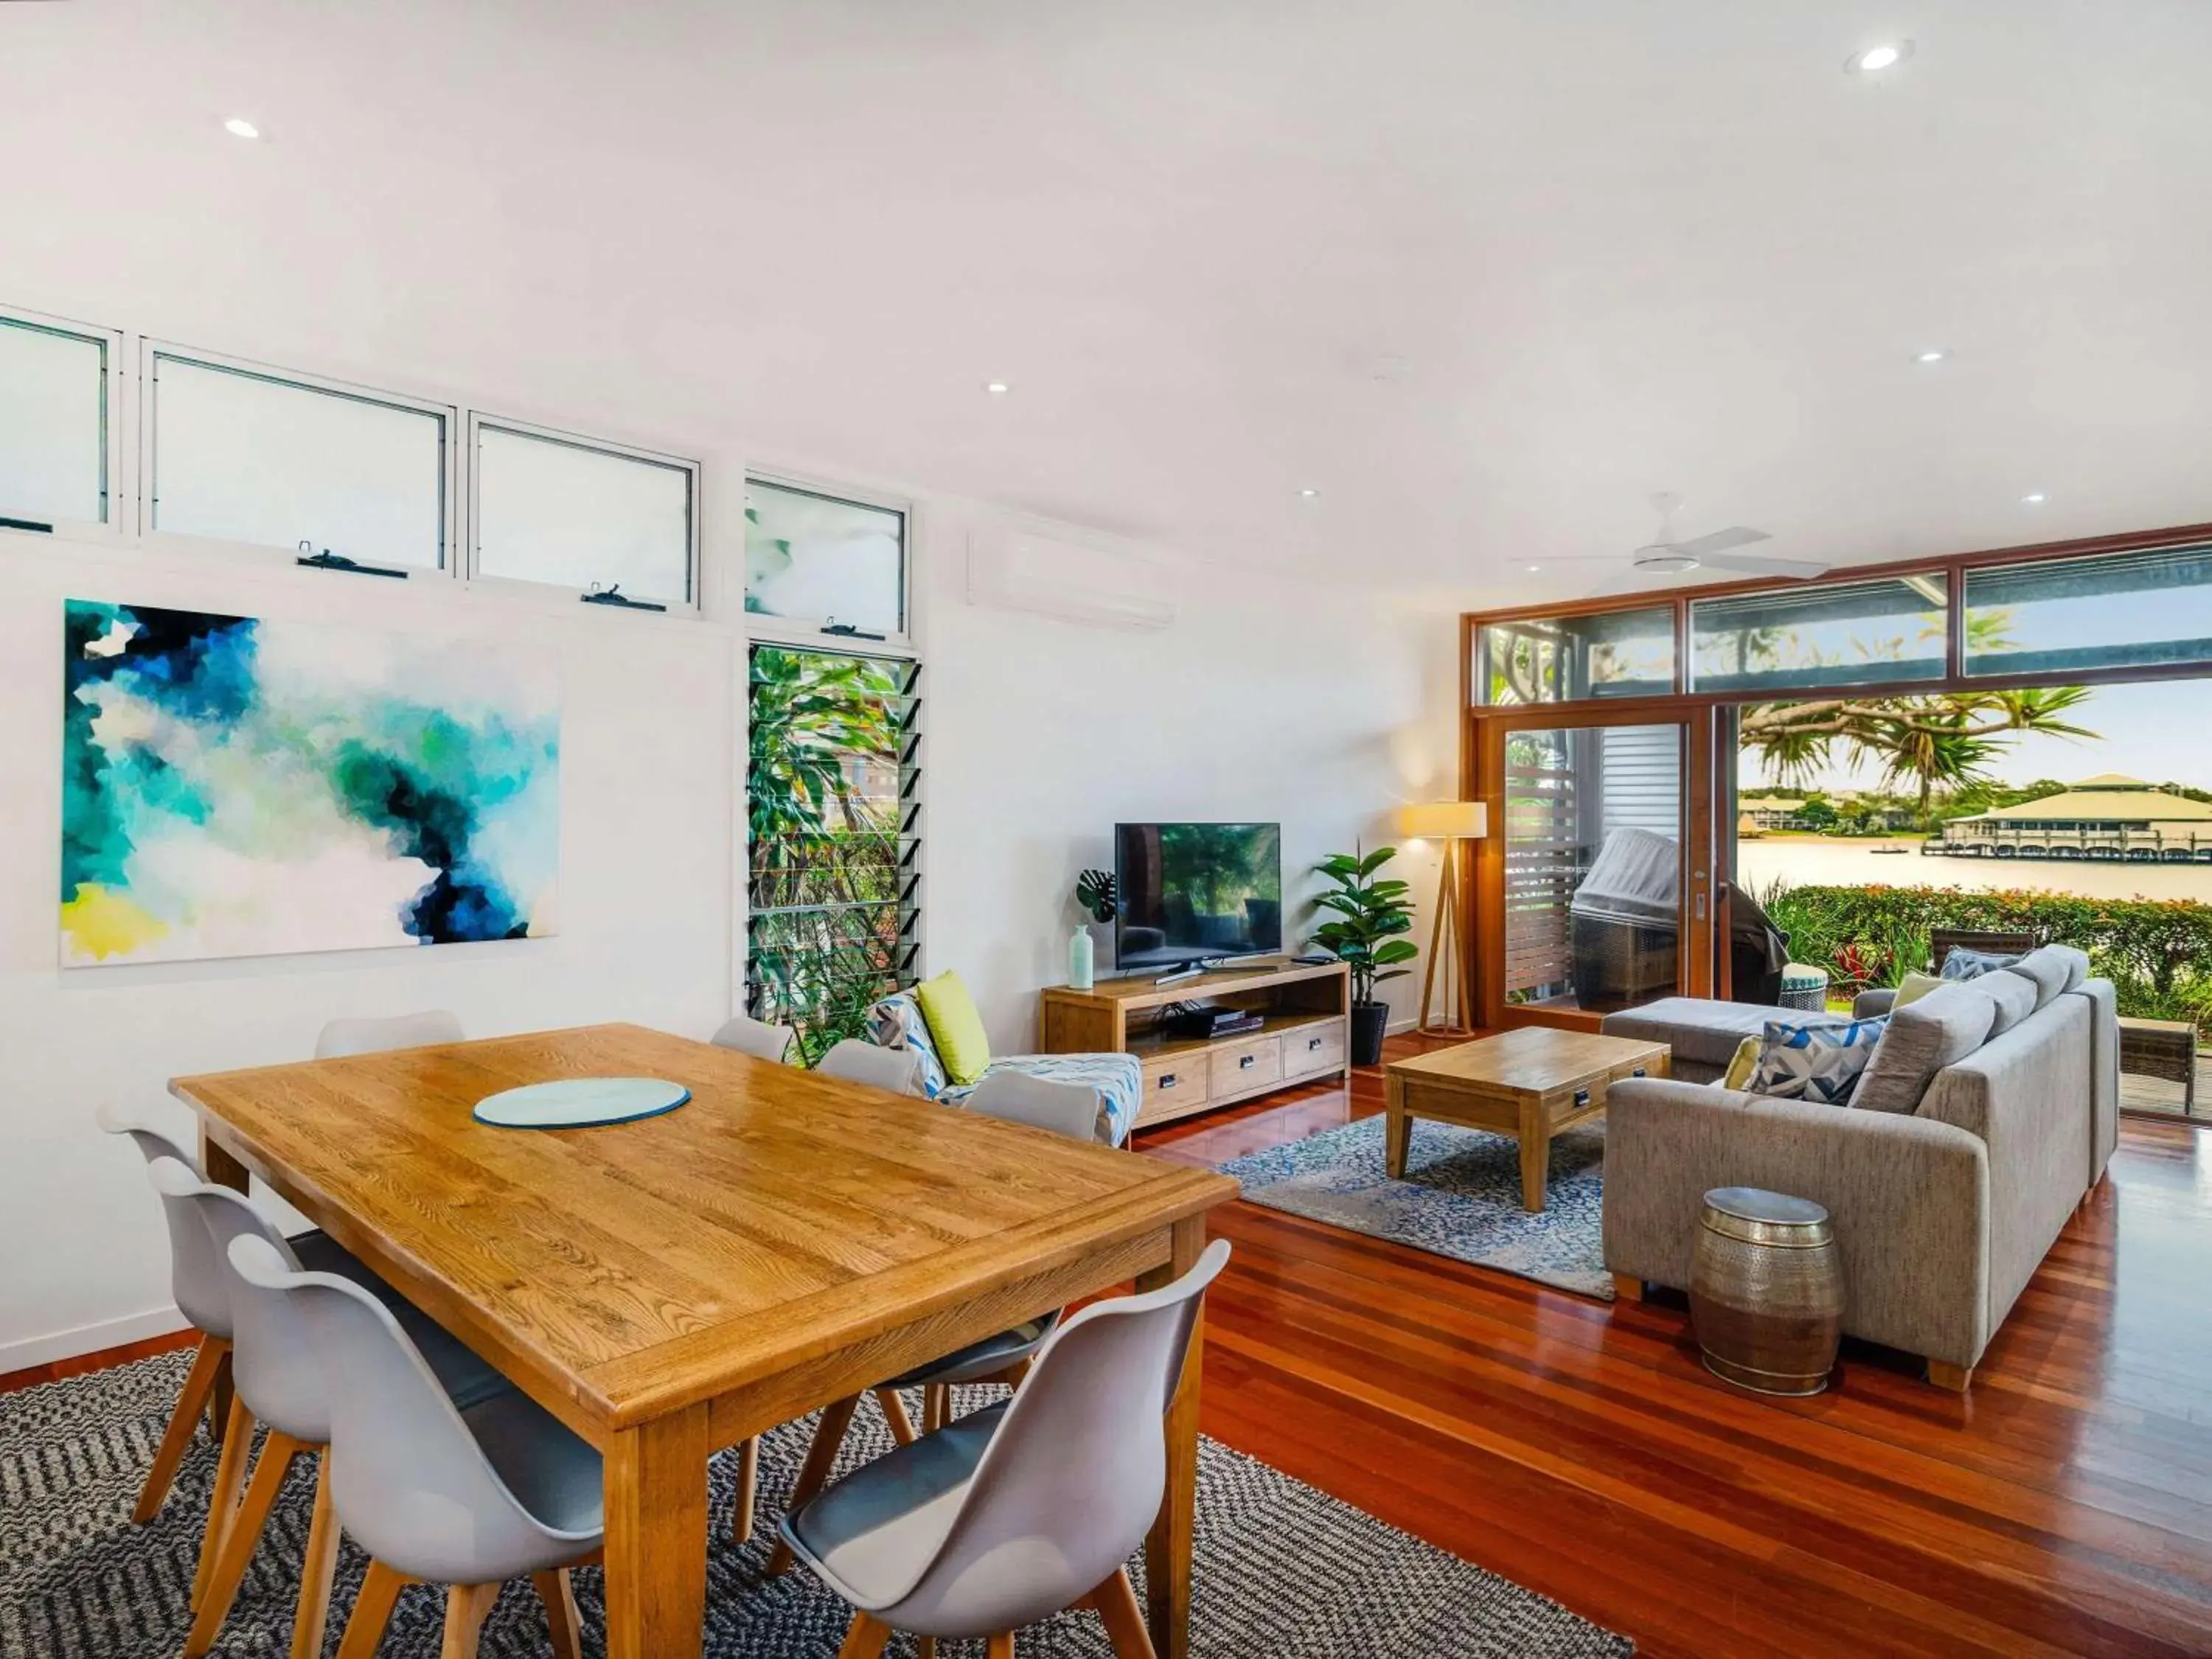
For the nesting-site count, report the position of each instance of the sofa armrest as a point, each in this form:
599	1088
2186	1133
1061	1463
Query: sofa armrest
1873	1004
1908	1197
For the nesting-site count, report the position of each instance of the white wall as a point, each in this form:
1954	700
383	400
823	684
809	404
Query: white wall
645	910
1265	701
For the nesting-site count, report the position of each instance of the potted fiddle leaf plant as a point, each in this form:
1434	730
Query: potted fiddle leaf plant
1363	935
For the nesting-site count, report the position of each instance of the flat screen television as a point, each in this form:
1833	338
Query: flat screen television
1189	892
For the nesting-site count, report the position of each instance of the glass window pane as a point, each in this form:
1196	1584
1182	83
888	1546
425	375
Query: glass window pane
2114	610
1593	864
54	425
1854	634
814	558
1612	654
549	511
250	458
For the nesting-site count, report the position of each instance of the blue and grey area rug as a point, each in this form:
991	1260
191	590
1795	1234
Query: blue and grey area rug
1282	1570
1461	1197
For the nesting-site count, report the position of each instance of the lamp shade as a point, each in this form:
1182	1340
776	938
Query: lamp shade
1445	820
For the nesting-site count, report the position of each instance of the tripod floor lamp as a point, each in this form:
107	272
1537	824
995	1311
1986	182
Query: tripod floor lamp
1449	823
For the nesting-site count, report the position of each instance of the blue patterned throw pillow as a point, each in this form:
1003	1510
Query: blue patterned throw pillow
1973	964
1820	1062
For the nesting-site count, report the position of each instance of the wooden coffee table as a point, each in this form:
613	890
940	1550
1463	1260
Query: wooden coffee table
1530	1083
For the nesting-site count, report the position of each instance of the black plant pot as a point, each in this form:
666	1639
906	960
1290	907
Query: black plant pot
1369	1022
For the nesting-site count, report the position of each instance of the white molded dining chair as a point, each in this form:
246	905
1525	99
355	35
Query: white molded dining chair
280	1384
466	1498
1023	1508
1065	1108
747	1035
898	1070
342	1039
199	1296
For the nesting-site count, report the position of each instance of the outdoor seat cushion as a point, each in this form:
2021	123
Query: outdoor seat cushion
1703	1035
2054	969
1119	1079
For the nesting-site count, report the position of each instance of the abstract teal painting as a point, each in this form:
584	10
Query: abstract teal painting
233	786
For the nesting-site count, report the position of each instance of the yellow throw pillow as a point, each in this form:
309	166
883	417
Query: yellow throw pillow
961	1043
1741	1063
1916	985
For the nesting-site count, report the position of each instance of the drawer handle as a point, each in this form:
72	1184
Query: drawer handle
1638	1072
1245	1062
1313	1043
1167	1080
1582	1097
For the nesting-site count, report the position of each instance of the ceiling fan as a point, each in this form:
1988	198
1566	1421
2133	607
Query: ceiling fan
1664	556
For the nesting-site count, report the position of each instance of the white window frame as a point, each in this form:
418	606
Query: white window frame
811	633
149	350
694	471
118	458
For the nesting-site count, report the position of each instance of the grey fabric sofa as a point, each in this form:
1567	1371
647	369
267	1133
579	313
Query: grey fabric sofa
1941	1213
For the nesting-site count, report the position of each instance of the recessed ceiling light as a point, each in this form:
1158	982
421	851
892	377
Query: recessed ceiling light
997	388
1309	494
1931	356
2035	498
1888	54
1534	568
239	127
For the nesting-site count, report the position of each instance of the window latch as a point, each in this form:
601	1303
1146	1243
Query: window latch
846	631
327	560
621	601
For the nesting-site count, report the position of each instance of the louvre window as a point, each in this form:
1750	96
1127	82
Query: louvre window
834	808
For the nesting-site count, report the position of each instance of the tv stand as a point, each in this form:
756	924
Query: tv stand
1305	1037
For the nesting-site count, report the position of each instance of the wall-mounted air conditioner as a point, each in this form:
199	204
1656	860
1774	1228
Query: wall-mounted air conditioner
1013	569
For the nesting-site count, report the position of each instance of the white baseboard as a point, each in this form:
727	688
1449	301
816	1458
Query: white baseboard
89	1338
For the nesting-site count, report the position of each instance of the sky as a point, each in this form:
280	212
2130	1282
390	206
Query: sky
2160	732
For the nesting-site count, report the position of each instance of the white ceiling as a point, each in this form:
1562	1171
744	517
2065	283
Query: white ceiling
1486	275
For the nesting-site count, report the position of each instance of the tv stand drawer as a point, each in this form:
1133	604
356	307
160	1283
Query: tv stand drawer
1239	1066
1316	1048
1175	1084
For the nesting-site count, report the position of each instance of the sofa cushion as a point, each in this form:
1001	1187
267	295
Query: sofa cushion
896	1023
956	1027
2015	994
1820	1062
1939	1030
1973	964
2054	969
1740	1066
1705	1033
1915	985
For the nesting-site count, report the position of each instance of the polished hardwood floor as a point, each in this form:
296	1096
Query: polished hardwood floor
2063	1507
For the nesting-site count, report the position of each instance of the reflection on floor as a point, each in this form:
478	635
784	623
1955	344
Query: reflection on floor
2063	1507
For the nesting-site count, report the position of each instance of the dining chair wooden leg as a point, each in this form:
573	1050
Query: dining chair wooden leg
372	1611
317	1569
192	1401
864	1638
562	1618
229	1475
741	1513
1000	1646
241	1536
1015	1372
894	1409
1115	1603
925	1647
936	1407
467	1606
814	1473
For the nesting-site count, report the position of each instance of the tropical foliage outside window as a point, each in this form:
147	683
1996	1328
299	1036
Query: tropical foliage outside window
833	803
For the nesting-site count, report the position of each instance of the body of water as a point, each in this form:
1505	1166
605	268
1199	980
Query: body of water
1814	862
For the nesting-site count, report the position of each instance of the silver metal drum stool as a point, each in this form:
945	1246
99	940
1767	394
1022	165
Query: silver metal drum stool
1766	1293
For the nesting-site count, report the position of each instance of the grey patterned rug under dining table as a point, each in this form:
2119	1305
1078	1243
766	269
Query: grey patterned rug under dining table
1282	1570
1460	1196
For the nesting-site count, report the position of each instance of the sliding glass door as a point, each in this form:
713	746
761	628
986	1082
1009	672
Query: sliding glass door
1594	893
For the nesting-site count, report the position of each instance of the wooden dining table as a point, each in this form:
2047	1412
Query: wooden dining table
677	1284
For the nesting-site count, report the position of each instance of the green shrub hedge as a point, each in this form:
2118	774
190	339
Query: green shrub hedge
2157	952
